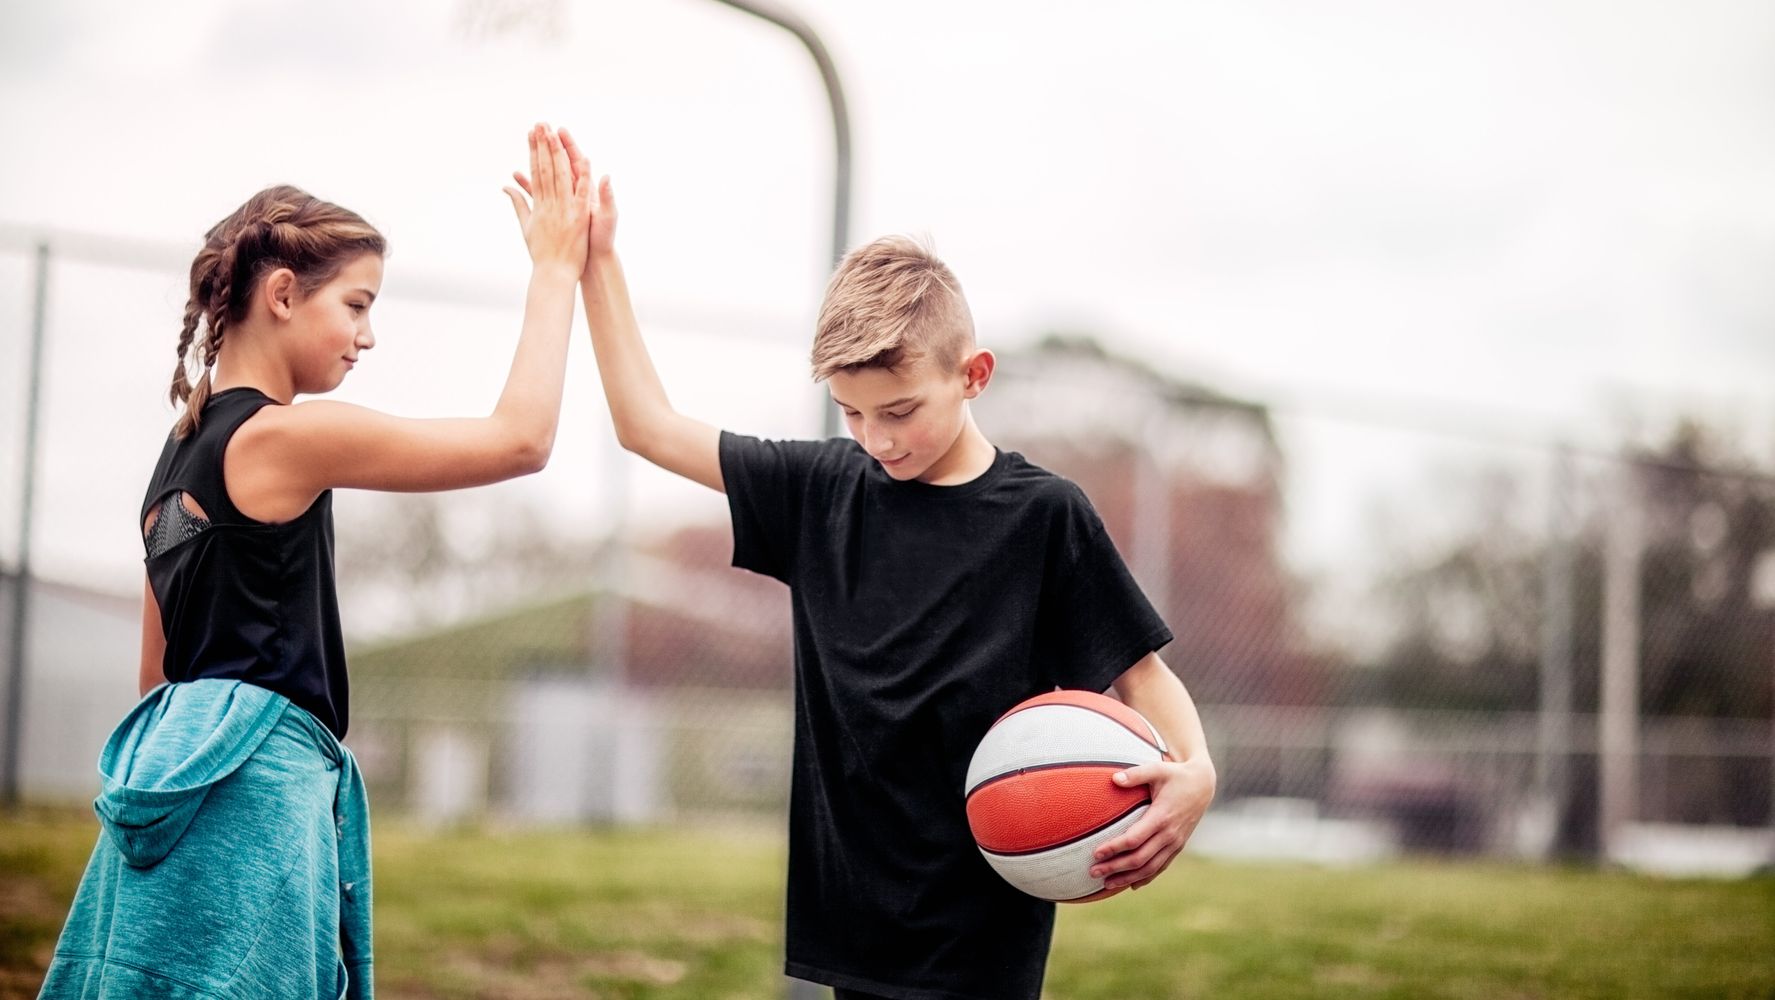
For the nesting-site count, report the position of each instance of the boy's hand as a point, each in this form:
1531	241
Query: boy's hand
1181	791
601	238
554	228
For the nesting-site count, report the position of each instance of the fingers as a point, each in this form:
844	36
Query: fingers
1148	859
544	174
535	156
582	167
520	206
1136	835
1144	774
606	193
560	166
523	182
1139	877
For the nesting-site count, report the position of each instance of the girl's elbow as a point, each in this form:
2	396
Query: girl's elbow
531	455
522	449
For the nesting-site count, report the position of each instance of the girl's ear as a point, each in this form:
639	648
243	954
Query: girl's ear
279	292
977	369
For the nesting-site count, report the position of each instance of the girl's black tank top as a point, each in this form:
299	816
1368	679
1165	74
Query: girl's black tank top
242	599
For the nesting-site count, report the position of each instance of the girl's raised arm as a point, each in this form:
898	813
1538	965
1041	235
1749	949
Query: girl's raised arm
284	457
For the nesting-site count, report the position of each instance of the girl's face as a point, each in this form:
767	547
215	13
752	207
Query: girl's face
331	327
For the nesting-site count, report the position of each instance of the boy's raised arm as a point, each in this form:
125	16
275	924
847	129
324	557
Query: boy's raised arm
646	423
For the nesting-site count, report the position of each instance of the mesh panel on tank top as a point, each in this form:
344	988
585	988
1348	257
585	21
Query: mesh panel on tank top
173	525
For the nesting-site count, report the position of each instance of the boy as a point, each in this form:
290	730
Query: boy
936	582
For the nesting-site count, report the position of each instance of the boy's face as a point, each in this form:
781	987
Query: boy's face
910	421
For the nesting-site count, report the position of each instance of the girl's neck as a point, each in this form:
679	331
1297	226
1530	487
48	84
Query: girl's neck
238	365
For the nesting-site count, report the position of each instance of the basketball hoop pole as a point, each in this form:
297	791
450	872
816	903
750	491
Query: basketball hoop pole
841	127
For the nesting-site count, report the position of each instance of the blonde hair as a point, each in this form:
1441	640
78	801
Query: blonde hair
281	226
890	303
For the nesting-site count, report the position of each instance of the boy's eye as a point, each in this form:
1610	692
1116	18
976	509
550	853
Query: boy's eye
903	414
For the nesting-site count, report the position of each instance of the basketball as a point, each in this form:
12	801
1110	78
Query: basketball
1041	795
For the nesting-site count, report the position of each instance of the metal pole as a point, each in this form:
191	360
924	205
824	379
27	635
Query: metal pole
1152	511
841	128
1552	771
21	585
1618	794
629	800
841	216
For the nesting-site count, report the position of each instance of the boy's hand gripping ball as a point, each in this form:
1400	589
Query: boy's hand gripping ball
1041	795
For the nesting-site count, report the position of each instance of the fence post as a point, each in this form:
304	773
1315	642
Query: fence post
21	585
1618	750
1553	749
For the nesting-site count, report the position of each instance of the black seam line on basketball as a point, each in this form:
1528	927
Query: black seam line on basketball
1087	708
995	779
1065	843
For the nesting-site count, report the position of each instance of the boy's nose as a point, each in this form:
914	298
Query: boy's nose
877	443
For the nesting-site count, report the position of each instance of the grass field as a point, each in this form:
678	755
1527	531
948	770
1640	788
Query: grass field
654	914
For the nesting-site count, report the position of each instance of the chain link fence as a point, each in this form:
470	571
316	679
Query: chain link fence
1402	639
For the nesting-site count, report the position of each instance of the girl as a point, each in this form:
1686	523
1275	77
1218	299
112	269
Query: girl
234	857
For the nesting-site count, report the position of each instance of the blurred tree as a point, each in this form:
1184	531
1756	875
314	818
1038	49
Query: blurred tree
1469	615
410	562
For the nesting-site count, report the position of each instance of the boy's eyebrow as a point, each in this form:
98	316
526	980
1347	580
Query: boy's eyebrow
903	400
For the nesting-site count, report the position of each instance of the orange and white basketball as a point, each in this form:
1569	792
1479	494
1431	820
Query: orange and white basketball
1041	795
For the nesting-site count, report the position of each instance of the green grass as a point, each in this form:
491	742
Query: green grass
669	913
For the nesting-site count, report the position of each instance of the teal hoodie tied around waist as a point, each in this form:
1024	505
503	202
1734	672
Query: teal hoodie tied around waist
234	860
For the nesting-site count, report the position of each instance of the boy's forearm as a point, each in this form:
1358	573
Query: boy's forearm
1150	688
632	386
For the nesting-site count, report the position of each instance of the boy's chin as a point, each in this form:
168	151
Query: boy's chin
901	471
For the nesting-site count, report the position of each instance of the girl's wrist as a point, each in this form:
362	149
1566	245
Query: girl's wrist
554	271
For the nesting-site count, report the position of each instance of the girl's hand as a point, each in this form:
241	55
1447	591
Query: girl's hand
555	226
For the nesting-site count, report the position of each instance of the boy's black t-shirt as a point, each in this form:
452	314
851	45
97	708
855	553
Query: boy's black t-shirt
921	613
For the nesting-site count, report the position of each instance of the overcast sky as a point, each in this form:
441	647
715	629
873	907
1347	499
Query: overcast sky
1528	217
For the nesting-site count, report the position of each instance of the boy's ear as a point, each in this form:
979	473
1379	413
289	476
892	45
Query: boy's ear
279	291
977	369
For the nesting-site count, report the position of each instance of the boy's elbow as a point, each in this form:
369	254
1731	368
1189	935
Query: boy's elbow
628	437
639	434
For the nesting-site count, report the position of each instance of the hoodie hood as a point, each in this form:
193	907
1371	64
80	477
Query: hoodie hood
173	747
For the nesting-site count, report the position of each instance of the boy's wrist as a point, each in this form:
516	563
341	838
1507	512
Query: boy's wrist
601	267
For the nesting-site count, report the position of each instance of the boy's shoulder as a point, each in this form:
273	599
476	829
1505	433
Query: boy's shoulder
1041	484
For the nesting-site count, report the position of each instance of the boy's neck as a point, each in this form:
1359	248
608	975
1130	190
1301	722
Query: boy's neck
967	459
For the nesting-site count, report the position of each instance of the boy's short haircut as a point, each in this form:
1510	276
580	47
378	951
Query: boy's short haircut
891	303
